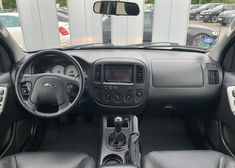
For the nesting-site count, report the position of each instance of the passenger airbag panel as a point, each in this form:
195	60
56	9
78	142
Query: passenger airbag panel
176	73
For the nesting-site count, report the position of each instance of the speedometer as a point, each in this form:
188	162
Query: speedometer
58	69
71	71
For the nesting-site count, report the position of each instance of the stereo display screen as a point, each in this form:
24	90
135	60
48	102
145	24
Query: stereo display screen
116	73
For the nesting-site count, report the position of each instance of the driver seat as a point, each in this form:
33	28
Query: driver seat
48	160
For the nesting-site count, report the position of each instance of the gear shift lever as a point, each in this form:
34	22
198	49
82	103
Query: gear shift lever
117	138
118	122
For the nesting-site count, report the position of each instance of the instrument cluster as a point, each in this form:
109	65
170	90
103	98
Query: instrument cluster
69	70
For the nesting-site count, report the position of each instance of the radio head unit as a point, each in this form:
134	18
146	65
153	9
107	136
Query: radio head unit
118	73
119	82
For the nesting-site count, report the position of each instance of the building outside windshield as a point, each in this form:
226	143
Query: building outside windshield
60	23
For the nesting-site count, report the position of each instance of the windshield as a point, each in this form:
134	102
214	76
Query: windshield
63	23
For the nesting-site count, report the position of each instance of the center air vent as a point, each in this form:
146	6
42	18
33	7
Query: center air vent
139	74
98	73
213	77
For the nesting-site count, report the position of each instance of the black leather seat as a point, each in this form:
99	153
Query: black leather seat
47	160
188	159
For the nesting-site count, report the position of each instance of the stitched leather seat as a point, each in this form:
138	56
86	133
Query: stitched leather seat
188	159
48	160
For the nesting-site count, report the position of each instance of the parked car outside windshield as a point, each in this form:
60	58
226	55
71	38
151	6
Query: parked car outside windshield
206	24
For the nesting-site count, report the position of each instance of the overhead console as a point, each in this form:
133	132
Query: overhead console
119	82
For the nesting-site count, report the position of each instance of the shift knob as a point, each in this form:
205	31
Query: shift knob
118	122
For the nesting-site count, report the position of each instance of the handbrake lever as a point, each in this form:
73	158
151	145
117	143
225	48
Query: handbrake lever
134	156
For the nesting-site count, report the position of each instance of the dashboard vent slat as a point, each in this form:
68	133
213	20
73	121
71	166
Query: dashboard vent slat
98	73
212	65
139	74
213	77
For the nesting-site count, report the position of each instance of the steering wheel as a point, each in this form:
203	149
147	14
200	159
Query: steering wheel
35	92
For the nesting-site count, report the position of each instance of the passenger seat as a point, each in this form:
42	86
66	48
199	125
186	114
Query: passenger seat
188	159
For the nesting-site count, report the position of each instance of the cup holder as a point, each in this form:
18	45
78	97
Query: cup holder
112	160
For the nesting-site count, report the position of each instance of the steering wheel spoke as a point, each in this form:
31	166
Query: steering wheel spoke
65	105
28	78
71	80
30	105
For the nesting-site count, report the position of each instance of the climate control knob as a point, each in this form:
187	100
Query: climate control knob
117	98
107	97
139	93
128	99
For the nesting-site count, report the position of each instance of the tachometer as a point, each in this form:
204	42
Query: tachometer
71	71
58	69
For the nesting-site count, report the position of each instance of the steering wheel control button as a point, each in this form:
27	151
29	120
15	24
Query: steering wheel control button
1	92
3	95
69	88
72	91
26	90
233	92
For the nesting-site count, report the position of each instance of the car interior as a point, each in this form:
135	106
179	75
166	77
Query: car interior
117	107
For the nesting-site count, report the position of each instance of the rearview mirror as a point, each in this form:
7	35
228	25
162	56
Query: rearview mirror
116	8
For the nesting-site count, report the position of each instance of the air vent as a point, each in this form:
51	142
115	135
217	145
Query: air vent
139	74
211	65
213	77
98	73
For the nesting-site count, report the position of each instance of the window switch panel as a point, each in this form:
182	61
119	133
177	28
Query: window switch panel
3	95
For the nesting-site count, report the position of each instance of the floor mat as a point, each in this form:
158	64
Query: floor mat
163	133
77	137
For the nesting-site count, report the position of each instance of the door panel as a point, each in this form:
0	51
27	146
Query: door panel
225	119
12	113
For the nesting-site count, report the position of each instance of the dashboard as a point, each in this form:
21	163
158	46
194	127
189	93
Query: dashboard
139	80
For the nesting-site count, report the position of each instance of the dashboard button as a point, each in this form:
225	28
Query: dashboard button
130	88
139	94
115	88
106	88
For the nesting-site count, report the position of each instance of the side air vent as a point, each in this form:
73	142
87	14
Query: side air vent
139	74
212	65
213	77
98	73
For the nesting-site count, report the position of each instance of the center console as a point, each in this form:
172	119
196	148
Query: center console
119	82
120	142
